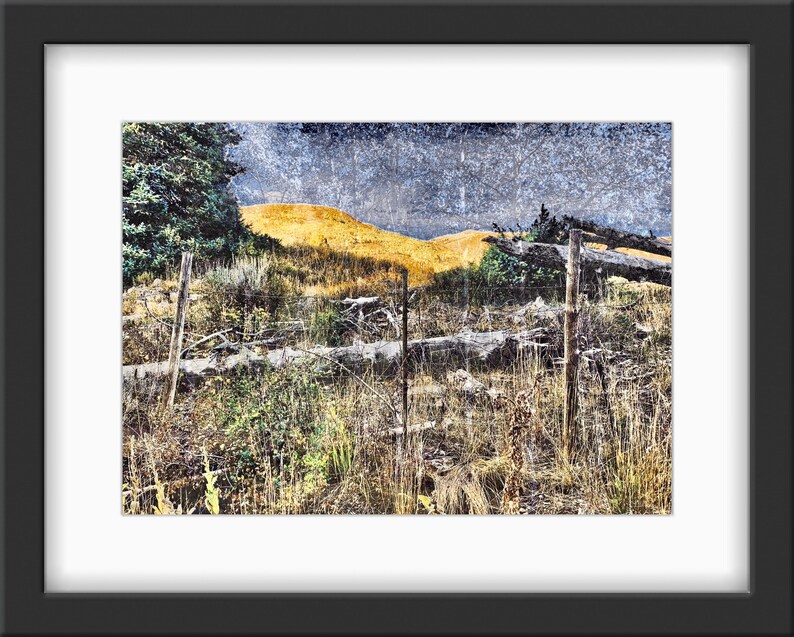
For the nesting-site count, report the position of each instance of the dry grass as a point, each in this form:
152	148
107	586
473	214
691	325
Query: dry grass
296	441
324	227
468	244
289	441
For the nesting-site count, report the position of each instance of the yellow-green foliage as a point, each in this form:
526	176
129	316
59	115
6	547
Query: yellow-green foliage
340	444
163	506
641	481
131	490
212	493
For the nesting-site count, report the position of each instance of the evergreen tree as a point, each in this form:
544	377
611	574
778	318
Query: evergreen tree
176	194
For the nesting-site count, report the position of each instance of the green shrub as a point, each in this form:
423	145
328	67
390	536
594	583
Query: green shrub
327	325
547	229
498	274
274	417
247	293
255	245
499	277
500	268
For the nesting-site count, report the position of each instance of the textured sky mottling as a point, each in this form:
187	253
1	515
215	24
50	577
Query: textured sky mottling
428	179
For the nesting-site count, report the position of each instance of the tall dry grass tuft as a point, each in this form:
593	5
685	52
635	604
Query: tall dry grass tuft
473	488
408	475
519	424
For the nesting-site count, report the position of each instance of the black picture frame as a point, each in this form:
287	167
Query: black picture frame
765	27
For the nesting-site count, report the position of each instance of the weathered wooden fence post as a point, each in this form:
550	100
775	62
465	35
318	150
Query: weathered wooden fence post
569	424
405	356
178	330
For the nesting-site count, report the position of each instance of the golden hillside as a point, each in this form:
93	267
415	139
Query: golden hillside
334	229
468	244
323	226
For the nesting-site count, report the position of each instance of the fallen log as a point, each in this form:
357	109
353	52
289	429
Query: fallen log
594	262
360	303
622	239
398	432
477	349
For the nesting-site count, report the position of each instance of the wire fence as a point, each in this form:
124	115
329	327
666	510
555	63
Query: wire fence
222	319
460	335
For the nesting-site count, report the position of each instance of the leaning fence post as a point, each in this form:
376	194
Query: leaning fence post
569	423
405	356
178	330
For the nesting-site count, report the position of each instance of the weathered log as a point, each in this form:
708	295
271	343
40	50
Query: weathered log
397	432
594	262
536	311
478	349
622	239
360	303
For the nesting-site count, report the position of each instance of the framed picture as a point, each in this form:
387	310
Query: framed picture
289	273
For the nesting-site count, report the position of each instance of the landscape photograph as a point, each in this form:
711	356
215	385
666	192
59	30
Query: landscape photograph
427	318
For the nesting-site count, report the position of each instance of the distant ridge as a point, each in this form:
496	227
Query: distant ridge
323	226
468	244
